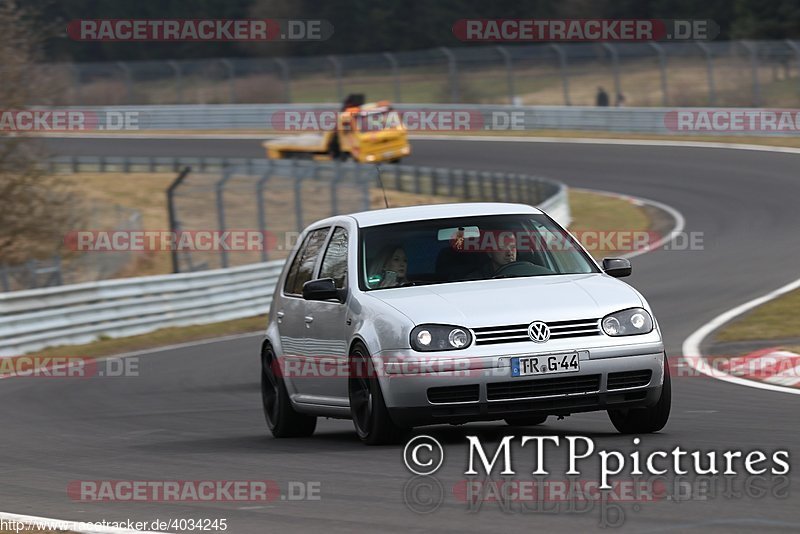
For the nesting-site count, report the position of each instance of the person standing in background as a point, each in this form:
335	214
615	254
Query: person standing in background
602	97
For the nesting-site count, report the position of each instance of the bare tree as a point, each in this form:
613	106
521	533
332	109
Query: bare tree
35	208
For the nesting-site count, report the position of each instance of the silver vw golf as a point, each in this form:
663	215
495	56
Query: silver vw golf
454	313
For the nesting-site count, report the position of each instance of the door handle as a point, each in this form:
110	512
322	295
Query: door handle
308	319
279	315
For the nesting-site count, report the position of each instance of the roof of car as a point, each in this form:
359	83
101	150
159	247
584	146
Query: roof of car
439	211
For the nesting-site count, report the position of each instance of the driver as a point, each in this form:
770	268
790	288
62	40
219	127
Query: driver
502	250
505	252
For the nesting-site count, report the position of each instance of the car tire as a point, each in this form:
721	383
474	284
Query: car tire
282	419
646	420
531	420
368	410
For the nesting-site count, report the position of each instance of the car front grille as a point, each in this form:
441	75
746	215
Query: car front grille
543	387
469	393
629	379
492	335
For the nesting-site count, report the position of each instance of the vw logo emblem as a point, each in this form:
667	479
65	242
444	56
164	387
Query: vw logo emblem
539	331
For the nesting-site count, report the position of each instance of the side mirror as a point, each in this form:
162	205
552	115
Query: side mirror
321	289
617	267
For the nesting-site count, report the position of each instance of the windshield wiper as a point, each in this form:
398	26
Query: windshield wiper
415	283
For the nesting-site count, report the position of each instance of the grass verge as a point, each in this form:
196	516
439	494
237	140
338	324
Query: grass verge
777	319
595	215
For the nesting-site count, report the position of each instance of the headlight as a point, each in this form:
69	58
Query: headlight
628	322
431	337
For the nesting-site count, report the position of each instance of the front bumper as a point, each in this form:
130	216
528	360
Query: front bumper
491	393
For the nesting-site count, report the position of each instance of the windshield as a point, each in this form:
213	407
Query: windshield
467	248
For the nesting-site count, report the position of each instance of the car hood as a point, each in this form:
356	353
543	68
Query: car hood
512	301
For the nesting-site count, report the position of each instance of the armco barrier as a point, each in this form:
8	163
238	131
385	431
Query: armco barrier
80	313
480	118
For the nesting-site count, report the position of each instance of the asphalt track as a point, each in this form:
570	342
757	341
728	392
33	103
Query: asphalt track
194	412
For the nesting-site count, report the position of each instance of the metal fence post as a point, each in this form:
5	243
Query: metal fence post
451	182
298	176
261	211
509	72
285	76
58	277
76	82
398	178
126	73
220	189
395	74
337	71
452	69
564	68
173	215
178	80
712	96
364	186
615	69
796	48
337	176
662	62
752	48
231	79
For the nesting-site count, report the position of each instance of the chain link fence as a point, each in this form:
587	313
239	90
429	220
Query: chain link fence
276	198
725	73
69	267
280	198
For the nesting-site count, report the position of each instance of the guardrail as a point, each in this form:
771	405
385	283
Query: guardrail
74	314
274	119
80	313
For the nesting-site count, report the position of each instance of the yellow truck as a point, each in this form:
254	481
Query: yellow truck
367	133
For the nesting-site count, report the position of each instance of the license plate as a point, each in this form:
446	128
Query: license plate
545	365
388	153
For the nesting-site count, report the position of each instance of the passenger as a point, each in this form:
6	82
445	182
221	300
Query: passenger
392	266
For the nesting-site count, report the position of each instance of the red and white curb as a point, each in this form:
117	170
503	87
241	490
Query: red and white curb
772	366
694	357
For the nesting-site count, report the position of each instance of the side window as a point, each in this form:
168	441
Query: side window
303	265
334	263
